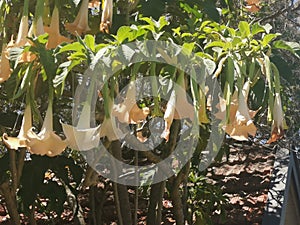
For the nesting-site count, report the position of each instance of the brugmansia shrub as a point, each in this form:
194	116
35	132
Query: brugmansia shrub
42	67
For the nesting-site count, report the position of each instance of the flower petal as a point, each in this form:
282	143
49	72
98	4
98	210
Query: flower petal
108	130
128	111
81	139
55	38
169	116
278	120
49	144
5	69
20	140
13	142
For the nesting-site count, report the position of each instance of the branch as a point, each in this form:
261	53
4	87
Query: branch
291	7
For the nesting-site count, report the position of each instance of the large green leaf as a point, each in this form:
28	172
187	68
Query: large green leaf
244	29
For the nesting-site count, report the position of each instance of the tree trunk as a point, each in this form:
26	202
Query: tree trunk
155	203
121	192
175	193
11	202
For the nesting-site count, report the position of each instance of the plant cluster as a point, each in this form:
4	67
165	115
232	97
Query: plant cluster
42	66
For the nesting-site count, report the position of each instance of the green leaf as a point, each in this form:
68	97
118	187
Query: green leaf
75	46
256	28
215	44
187	48
162	22
244	29
151	24
136	32
90	41
25	81
268	38
122	34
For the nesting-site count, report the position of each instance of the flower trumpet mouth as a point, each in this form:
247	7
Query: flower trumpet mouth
240	124
80	24
46	142
82	137
107	14
20	140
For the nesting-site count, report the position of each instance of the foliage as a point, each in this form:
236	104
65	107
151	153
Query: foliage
239	50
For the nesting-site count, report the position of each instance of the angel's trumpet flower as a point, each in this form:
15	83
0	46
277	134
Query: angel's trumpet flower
169	115
128	111
46	142
80	24
240	117
23	31
107	14
20	140
37	26
177	107
5	69
22	40
82	137
55	38
278	120
107	128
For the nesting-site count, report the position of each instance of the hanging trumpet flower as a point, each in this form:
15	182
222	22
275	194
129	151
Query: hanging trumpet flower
5	69
240	117
55	38
278	120
38	25
107	129
20	140
128	111
23	28
82	137
177	107
46	142
107	14
80	24
22	40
